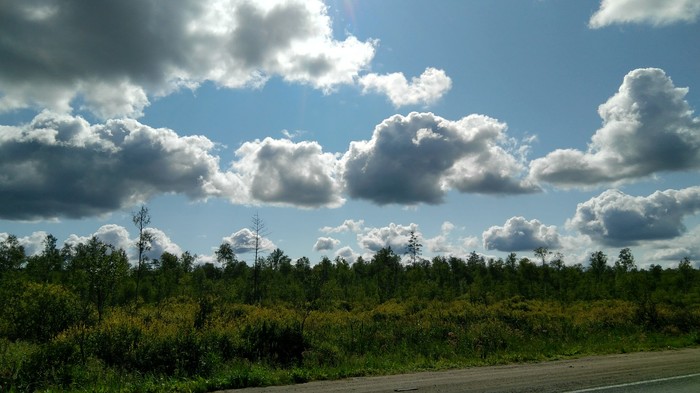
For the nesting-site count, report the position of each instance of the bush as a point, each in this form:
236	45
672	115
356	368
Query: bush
274	341
40	311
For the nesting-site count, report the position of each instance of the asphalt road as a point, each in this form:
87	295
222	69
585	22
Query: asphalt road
665	371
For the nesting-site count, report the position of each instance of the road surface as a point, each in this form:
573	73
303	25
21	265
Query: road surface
665	371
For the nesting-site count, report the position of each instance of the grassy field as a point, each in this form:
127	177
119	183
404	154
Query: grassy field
188	346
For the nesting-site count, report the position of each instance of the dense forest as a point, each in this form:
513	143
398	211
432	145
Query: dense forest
82	317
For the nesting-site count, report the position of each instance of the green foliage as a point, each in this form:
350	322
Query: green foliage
38	312
208	327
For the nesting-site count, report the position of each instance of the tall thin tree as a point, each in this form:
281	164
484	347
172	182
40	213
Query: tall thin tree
414	248
259	232
141	220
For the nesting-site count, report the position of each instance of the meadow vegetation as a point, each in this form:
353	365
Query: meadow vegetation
81	318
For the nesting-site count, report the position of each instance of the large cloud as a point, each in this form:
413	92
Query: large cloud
419	157
114	56
59	165
284	172
648	127
426	89
617	219
519	234
654	12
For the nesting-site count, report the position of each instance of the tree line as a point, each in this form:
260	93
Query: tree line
101	276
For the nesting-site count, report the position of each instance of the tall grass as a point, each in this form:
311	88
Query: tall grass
173	347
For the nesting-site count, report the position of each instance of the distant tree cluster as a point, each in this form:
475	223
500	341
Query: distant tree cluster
100	276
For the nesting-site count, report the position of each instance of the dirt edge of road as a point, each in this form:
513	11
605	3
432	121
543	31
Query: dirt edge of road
548	376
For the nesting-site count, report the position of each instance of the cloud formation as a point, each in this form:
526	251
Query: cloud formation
648	127
688	245
283	172
111	57
118	236
519	234
33	244
243	241
617	219
395	236
430	86
346	226
60	165
418	158
656	13
326	244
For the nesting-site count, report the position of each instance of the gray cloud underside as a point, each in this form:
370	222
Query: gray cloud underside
648	127
61	166
519	234
617	219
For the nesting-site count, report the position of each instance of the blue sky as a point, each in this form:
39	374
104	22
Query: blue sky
483	126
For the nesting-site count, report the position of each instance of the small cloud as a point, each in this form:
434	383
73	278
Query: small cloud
161	243
519	234
429	87
656	13
347	254
292	135
346	226
394	236
326	243
243	242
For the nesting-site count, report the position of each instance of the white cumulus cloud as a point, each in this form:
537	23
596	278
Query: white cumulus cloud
326	243
347	226
654	12
395	236
617	219
243	241
418	158
429	87
648	127
519	234
279	171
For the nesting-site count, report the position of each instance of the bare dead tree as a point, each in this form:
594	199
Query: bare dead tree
259	232
141	220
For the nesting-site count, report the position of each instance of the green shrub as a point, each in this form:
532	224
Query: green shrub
274	341
40	311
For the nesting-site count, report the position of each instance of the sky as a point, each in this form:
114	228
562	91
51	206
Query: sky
483	126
